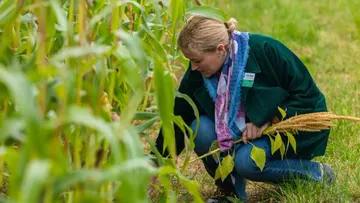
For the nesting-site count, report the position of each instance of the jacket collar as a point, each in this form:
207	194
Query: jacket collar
203	97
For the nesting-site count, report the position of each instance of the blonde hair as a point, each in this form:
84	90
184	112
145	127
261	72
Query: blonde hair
202	34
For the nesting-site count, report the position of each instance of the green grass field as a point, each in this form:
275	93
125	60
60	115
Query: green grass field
324	35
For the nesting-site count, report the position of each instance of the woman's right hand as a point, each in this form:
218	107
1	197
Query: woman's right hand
253	132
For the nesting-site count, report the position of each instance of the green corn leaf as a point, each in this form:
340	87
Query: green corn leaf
134	45
4	93
77	52
189	144
207	11
128	67
132	144
166	170
180	123
97	177
193	106
155	150
108	9
77	115
155	49
145	115
60	15
176	12
291	140
258	155
164	91
130	109
12	128
36	176
8	11
192	134
166	183
146	125
50	29
21	92
192	187
53	108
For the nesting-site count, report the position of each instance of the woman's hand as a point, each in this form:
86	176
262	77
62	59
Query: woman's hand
253	132
115	116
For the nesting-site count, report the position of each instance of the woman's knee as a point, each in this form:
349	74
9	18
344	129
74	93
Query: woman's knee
205	136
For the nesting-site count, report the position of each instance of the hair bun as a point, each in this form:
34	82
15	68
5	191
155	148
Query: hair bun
231	24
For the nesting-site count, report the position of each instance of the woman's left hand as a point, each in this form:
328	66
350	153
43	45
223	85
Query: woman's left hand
253	132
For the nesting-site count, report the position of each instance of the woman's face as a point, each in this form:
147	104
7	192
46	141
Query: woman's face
207	63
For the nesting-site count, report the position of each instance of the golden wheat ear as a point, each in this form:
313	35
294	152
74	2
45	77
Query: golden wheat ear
311	122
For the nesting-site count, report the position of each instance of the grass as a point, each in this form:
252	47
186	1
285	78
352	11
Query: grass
324	35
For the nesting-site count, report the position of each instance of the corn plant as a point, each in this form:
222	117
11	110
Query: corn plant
65	67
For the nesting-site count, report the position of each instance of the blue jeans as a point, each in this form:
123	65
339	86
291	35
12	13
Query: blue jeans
275	170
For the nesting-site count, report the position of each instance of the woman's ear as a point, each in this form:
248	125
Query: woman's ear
220	49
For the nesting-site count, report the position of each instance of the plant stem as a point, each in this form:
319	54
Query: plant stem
82	21
71	12
131	17
102	159
115	22
211	152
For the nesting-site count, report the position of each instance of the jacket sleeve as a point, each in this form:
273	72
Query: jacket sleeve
294	77
304	97
181	108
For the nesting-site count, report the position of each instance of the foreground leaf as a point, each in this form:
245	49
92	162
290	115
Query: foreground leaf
227	165
282	150
277	144
36	176
258	155
7	12
214	146
217	173
192	187
82	116
283	113
207	11
141	128
164	93
292	140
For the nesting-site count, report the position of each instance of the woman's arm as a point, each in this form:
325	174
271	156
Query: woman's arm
294	77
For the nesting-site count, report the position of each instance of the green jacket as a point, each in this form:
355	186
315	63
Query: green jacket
281	79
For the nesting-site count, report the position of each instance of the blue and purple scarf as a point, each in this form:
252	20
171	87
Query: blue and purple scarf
226	92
